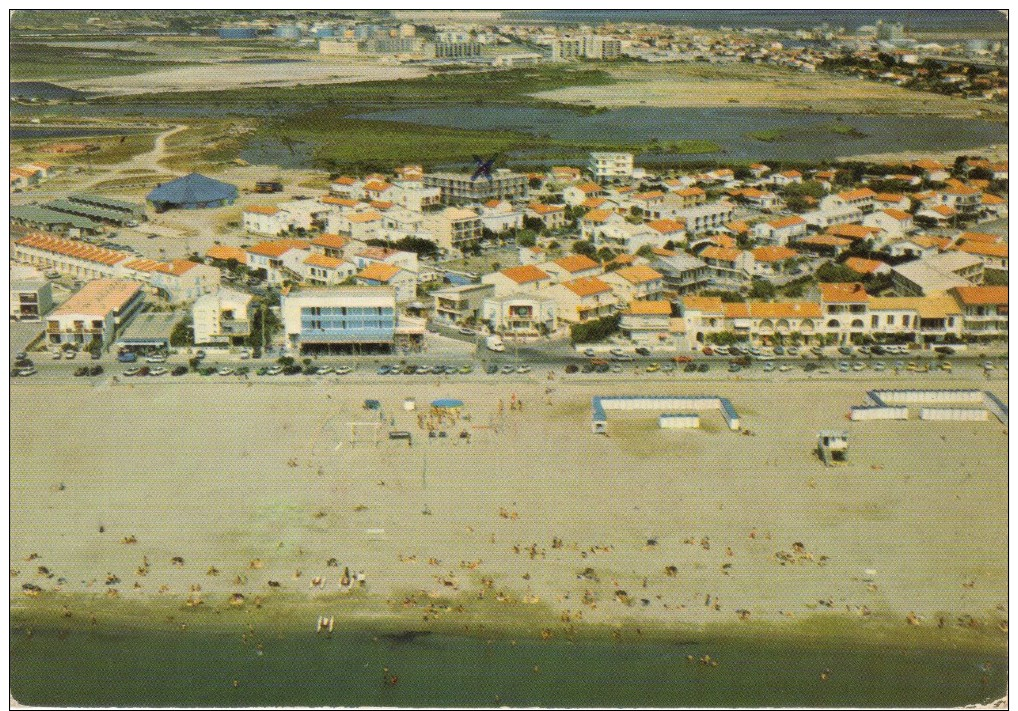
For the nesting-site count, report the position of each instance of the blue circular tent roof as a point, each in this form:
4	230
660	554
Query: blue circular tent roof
446	403
193	189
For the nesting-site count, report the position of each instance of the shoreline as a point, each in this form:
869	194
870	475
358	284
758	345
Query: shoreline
366	614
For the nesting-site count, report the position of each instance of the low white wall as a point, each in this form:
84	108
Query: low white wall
923	397
953	414
878	413
678	422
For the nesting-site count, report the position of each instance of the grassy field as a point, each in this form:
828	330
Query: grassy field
700	84
112	149
790	132
38	62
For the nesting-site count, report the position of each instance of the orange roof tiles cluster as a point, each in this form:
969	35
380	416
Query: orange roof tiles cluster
320	260
707	304
724	254
774	253
72	248
577	263
772	310
649	308
262	209
983	249
649	195
343	202
789	221
597	215
847	292
586	286
826	241
377	253
589	188
984	237
363	217
639	274
542	209
98	298
981	295
859	265
593	203
859	194
376	186
666	226
739	227
142	265
853	232
225	253
345	180
277	248
899	215
332	241
991	199
691	192
888	197
178	267
379	271
524	274
945	210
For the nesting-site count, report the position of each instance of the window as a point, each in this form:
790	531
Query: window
890	320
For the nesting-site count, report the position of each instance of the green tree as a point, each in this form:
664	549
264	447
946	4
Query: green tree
182	333
423	248
645	251
762	289
526	239
834	272
584	247
595	330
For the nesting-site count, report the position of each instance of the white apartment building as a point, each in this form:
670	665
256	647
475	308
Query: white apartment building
610	166
222	318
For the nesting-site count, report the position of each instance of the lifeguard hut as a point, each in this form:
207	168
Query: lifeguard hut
832	446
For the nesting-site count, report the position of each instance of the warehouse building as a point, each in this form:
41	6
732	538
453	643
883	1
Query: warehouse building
459	188
192	192
95	313
342	320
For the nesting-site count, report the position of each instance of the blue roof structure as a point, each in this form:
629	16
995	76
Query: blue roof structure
194	190
446	403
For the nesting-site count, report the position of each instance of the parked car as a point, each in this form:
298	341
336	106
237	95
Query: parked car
21	355
323	370
467	332
127	357
157	371
683	359
779	351
768	367
131	372
79	372
703	367
96	354
791	350
572	368
507	369
274	370
25	372
642	350
734	367
344	370
722	350
156	359
523	369
224	371
466	369
179	370
653	367
589	352
491	368
95	370
623	357
690	368
879	366
845	350
57	355
707	350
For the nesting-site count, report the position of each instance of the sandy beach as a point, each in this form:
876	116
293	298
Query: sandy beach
257	487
